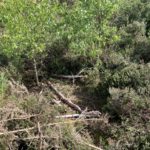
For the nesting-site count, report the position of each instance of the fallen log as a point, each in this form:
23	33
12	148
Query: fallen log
64	99
90	114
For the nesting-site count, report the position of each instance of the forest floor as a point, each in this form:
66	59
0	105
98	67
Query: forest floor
23	109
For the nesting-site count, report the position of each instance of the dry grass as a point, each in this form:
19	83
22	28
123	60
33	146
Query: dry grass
30	117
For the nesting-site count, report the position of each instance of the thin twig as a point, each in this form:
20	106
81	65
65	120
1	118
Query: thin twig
35	137
90	145
40	136
20	118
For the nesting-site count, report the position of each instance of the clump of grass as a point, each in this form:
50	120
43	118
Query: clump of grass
3	84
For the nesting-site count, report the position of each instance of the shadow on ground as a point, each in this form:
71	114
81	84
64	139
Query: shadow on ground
89	98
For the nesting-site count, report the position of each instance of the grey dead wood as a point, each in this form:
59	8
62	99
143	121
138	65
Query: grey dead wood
64	99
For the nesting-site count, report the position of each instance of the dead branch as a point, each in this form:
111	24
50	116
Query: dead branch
64	100
47	137
36	72
69	76
24	117
36	137
91	114
46	125
16	87
54	101
90	145
17	131
40	136
70	116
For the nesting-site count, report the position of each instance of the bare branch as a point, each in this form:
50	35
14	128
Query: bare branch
40	136
46	125
90	145
69	76
24	117
91	114
65	100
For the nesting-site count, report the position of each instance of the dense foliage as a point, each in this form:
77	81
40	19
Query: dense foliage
29	26
107	40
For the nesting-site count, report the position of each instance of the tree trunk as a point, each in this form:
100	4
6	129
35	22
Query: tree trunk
36	73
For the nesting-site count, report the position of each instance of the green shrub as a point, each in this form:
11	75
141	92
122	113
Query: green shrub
117	71
30	26
126	102
128	115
